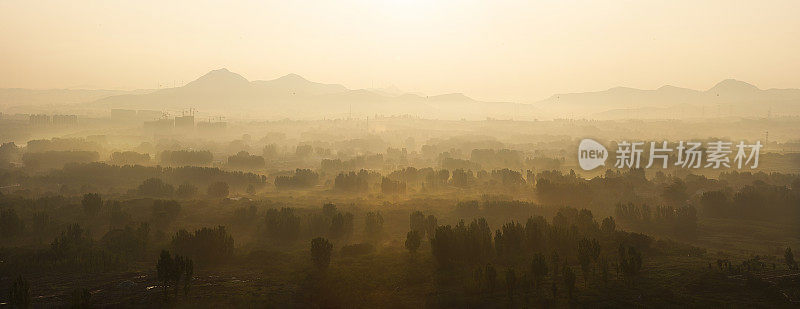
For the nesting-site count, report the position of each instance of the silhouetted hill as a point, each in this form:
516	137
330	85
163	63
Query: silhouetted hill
292	96
223	92
727	98
220	79
732	86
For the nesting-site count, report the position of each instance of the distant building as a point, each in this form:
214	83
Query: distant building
65	120
184	122
212	126
39	120
123	114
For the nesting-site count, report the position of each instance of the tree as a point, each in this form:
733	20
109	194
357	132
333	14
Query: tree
188	274
715	203
588	251
329	210
129	158
19	295
164	269
245	214
91	203
604	270
788	257
675	193
341	226
127	243
41	223
569	280
179	266
283	226
57	159
491	277
218	189
389	186
302	178
463	243
176	271
430	226
508	241
584	259
608	226
554	259
118	218
206	245
373	226
511	282
321	252
8	152
10	223
244	160
477	274
630	261
155	187
71	243
186	157
412	241
186	190
538	269
418	223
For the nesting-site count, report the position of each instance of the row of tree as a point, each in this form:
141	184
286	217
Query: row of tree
284	226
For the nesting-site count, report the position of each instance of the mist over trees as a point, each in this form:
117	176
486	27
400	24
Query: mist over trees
339	213
184	157
129	158
244	160
302	178
207	245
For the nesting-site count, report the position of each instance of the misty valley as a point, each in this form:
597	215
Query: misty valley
390	211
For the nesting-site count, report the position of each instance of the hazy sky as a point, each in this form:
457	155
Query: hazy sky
504	50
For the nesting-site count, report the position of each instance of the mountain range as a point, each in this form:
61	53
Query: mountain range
292	96
729	97
223	92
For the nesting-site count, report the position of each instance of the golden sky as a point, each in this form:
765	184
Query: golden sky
501	50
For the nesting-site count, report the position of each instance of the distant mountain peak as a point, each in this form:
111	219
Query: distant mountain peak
732	85
293	77
219	77
221	72
675	90
295	84
452	97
